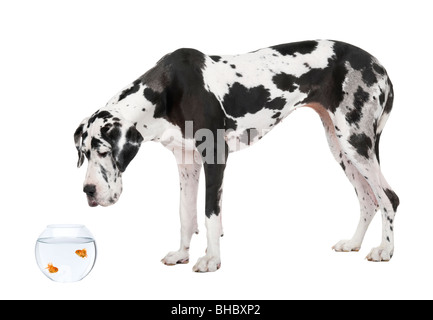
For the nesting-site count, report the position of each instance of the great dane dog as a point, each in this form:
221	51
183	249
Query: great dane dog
204	107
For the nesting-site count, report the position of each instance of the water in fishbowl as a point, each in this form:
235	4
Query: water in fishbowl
65	253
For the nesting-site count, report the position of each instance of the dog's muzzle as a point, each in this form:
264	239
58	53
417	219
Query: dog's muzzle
90	191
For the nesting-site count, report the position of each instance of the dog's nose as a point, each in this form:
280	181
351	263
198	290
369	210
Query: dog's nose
90	190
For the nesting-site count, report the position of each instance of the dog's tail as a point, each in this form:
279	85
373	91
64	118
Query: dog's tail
387	102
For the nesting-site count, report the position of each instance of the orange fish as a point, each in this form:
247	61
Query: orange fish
51	268
81	253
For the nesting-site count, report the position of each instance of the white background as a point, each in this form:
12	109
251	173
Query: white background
286	200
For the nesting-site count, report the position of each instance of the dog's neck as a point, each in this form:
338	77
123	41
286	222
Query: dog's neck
138	110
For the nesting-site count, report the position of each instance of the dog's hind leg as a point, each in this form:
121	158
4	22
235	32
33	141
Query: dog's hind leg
367	200
359	146
368	206
368	166
189	173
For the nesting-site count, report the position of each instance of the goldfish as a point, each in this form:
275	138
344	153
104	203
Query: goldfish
81	253
51	268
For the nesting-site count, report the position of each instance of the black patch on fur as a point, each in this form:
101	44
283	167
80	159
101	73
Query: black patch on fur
215	58
276	115
104	173
214	174
126	154
276	104
277	121
231	124
95	143
133	89
241	100
381	97
99	114
359	98
362	143
285	82
379	69
157	99
84	136
388	106
376	147
324	85
78	135
129	149
393	198
111	136
151	95
295	48
369	76
353	116
133	136
358	58
78	132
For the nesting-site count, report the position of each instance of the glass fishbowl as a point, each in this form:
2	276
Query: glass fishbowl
65	252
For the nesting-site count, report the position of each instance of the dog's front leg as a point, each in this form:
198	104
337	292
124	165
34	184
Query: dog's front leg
189	174
214	181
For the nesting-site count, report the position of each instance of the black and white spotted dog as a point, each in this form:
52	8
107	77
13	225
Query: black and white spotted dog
230	102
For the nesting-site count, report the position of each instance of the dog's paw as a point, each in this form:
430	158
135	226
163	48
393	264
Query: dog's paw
207	263
346	246
380	253
176	257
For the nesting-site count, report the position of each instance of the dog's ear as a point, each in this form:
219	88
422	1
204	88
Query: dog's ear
77	139
127	152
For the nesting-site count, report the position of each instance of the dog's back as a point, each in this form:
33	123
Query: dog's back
258	89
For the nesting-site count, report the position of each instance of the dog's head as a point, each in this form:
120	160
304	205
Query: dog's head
109	143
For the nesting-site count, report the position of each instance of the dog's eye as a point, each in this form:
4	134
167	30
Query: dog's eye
103	154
